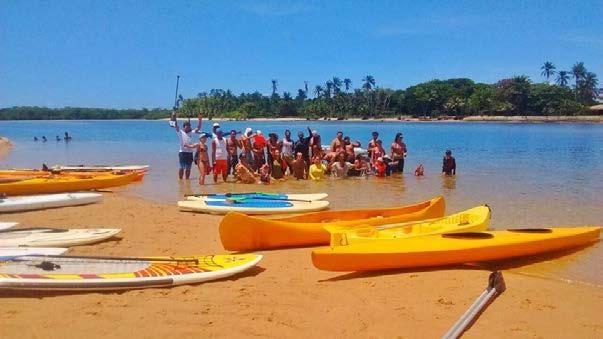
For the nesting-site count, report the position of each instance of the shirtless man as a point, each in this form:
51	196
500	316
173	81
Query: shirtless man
233	145
299	167
372	143
349	148
244	172
246	146
398	153
337	145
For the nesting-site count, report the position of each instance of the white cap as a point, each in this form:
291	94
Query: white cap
258	132
380	159
314	131
248	130
216	124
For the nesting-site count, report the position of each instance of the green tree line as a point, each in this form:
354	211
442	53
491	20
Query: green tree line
570	93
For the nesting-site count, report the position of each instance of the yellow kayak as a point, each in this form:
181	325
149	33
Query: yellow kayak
59	184
474	219
240	232
450	249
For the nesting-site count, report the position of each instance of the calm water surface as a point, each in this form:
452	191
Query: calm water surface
532	175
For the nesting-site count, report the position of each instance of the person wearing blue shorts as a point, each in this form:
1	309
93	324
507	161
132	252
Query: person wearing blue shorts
187	147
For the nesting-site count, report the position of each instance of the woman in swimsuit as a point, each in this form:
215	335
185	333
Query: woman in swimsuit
203	158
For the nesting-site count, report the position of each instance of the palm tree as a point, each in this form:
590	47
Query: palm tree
587	89
328	89
286	96
274	86
563	78
548	69
318	90
348	83
336	85
578	71
369	82
306	86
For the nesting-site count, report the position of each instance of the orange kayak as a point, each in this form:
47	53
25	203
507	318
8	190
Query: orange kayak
78	174
62	183
240	232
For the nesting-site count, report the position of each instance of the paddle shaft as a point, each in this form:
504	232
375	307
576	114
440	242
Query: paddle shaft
496	286
50	257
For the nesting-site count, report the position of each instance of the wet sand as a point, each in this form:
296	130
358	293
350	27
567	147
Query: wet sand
285	296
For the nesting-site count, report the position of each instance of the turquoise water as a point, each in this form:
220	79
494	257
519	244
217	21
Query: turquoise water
532	175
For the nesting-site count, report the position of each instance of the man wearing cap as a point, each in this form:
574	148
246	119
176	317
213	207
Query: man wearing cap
187	147
219	155
214	128
259	144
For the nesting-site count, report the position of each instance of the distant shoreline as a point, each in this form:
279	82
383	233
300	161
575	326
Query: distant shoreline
477	118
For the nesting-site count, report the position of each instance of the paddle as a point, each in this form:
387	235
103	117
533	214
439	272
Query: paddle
16	179
48	258
268	198
228	194
496	286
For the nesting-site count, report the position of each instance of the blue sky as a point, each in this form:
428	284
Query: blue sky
127	53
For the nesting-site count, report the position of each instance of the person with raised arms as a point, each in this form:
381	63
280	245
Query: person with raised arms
302	145
349	148
187	147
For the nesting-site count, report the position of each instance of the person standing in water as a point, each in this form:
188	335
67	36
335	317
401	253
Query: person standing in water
449	164
372	144
302	145
287	150
233	158
219	156
299	168
398	153
187	147
203	158
246	146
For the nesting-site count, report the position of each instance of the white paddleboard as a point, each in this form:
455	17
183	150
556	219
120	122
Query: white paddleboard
54	237
264	196
252	206
36	202
9	252
7	225
102	168
107	273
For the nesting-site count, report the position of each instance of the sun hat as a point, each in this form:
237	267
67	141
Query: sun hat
248	130
258	132
216	124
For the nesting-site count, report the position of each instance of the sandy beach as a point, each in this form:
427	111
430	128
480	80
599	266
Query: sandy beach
285	296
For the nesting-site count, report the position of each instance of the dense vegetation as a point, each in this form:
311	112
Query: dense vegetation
74	113
337	99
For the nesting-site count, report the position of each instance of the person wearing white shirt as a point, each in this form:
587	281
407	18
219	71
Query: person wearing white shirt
187	146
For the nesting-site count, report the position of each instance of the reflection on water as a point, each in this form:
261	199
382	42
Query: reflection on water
448	182
530	175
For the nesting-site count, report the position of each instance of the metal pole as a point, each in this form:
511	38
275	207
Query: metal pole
496	286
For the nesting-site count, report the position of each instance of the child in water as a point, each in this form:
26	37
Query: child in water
419	171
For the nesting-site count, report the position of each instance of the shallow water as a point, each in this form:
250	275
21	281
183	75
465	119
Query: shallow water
532	175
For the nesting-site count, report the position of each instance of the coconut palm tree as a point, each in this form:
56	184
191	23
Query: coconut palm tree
369	82
336	85
318	90
328	89
306	86
563	78
274	86
587	88
548	69
347	83
578	71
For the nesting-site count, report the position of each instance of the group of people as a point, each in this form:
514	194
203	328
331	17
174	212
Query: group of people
66	138
253	158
